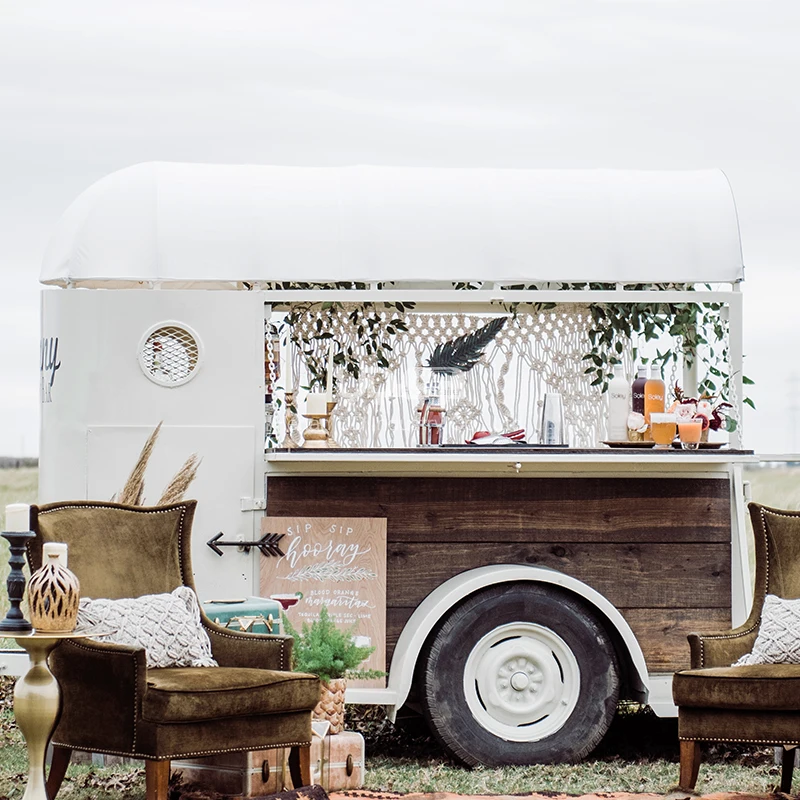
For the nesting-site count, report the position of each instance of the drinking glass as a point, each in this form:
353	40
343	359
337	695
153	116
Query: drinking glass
690	431
663	428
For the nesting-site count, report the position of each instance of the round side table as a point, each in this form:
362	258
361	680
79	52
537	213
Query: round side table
37	702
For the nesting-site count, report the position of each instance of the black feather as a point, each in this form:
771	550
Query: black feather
462	354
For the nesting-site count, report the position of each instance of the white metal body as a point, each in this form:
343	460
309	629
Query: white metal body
204	247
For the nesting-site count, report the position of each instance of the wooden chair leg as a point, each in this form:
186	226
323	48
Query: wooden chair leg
58	769
690	764
787	768
305	765
156	777
300	766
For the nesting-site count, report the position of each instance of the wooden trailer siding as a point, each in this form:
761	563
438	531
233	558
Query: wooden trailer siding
658	549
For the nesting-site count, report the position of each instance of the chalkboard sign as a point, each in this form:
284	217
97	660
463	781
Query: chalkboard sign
337	562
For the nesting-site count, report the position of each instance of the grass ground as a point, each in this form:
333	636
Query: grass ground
639	754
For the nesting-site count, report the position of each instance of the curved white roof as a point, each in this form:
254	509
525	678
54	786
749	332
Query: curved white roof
195	225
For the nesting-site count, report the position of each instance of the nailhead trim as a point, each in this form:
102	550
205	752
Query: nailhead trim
151	757
762	512
791	743
89	649
239	638
181	533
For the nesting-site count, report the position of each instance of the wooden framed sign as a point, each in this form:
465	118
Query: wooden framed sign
337	562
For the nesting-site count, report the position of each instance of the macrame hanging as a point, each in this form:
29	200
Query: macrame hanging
515	362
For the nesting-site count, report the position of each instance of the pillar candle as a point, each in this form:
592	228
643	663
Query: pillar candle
288	377
57	549
317	403
18	517
329	376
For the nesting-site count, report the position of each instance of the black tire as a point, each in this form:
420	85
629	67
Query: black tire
510	628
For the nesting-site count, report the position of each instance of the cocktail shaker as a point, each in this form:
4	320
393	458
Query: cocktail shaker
552	428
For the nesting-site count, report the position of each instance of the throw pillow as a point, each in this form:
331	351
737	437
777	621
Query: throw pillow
778	640
167	626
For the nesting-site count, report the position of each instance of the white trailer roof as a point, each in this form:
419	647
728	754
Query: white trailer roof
199	225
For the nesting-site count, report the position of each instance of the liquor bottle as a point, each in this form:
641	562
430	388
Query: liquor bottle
431	417
654	395
618	406
637	391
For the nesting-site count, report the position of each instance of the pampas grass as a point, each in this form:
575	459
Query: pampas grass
133	491
177	487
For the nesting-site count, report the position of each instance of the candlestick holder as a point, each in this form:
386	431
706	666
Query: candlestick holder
331	404
289	440
15	622
315	435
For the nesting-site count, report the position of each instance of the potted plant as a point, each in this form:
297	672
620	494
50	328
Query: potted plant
331	653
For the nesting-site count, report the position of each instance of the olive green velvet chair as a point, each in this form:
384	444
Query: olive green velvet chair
758	703
113	703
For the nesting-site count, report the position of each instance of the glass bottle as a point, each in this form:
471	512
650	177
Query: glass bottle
654	396
637	391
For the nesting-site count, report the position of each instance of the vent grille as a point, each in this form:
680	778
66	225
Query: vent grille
169	355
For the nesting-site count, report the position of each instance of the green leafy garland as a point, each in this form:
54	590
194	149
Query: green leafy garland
700	326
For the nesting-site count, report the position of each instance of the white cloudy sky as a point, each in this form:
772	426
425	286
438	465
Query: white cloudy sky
89	87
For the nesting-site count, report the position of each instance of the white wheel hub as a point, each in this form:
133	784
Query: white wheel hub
521	682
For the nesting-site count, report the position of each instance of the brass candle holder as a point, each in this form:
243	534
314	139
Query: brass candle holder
331	404
289	440
315	435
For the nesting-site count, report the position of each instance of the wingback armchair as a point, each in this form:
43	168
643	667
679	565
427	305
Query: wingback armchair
758	703
113	703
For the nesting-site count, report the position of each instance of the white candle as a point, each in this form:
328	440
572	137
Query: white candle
288	377
18	517
58	550
329	381
317	403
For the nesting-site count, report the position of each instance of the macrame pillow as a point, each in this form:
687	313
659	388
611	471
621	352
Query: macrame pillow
778	640
167	626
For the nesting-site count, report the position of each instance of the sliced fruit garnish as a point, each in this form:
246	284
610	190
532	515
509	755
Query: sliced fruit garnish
705	419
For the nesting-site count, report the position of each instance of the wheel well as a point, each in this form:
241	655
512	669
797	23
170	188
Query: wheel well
624	660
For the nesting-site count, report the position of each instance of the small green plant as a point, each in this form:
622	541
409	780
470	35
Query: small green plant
328	651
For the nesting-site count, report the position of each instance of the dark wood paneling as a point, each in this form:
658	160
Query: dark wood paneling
658	549
629	575
533	509
662	635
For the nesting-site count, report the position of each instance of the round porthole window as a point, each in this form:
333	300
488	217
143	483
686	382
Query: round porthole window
170	354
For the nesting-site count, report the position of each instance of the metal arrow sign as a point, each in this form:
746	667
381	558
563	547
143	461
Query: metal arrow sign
268	544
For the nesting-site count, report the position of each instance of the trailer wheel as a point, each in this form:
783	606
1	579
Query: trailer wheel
519	674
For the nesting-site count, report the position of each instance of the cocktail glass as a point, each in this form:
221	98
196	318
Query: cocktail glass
286	600
663	428
690	431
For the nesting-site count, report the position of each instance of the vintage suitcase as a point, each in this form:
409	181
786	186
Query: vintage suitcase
337	763
251	614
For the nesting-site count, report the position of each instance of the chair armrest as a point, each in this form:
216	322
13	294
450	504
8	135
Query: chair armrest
256	650
109	679
721	649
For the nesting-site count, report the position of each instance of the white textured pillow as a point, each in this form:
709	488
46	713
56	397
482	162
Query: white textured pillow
167	626
778	640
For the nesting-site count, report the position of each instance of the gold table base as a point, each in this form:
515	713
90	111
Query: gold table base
37	703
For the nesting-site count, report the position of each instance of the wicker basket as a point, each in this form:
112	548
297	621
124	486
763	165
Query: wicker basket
331	704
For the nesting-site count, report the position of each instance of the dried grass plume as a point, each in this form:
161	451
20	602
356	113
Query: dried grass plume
177	487
133	490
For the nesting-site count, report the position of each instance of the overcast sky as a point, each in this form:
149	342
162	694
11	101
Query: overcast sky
87	88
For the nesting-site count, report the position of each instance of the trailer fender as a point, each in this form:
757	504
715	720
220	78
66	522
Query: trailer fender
444	597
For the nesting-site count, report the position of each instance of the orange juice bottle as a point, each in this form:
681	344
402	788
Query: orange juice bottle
654	396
